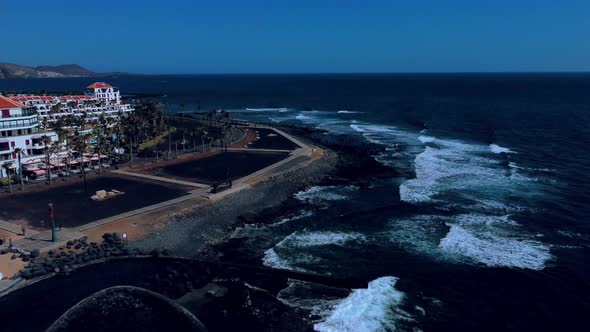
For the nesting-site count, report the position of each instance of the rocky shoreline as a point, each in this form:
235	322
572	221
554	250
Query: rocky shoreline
193	233
224	295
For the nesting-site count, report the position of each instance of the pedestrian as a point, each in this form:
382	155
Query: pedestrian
59	226
24	230
10	243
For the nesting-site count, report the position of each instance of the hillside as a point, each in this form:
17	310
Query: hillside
10	70
66	70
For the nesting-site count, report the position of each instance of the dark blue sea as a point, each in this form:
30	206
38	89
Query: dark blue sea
479	219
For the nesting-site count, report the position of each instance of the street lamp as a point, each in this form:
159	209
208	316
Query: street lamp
51	216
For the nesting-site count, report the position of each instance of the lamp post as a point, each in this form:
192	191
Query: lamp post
51	216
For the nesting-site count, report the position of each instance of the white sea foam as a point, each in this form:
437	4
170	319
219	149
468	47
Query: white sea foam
303	117
495	148
268	109
303	214
325	193
495	251
376	308
470	238
347	112
426	139
321	238
273	260
307	296
399	144
296	241
460	168
246	229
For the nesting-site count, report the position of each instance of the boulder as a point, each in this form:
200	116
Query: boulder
94	198
35	253
26	274
101	194
39	272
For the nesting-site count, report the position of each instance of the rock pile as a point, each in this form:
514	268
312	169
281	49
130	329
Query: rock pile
75	252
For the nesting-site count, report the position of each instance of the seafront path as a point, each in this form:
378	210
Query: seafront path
299	157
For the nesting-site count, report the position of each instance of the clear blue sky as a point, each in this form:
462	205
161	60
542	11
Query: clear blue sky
287	36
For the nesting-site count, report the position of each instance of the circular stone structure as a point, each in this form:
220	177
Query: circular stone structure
127	308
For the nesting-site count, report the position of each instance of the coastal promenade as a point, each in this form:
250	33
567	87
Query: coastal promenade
41	241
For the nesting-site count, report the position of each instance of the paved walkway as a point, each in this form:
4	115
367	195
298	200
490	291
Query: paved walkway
94	224
163	179
42	240
14	228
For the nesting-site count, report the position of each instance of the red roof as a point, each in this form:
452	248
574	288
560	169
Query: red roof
25	98
98	85
76	98
7	103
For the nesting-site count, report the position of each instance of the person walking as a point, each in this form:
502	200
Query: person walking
24	230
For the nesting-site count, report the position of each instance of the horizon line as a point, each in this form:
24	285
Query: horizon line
367	72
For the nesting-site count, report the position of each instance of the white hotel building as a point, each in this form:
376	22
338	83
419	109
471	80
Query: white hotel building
19	128
22	117
99	99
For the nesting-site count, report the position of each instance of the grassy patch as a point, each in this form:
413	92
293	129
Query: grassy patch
155	140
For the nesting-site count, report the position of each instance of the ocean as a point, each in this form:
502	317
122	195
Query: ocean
474	216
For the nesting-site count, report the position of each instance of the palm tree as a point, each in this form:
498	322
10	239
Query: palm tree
55	147
7	165
19	152
46	141
99	129
80	145
203	133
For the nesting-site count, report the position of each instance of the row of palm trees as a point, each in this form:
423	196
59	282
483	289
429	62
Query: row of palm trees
146	122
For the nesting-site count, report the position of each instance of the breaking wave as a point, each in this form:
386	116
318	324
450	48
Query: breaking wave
494	241
268	109
498	149
289	253
376	308
462	169
495	251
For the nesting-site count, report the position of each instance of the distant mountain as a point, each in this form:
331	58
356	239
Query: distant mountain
66	70
10	70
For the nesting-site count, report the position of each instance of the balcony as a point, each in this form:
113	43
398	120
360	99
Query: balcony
16	124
